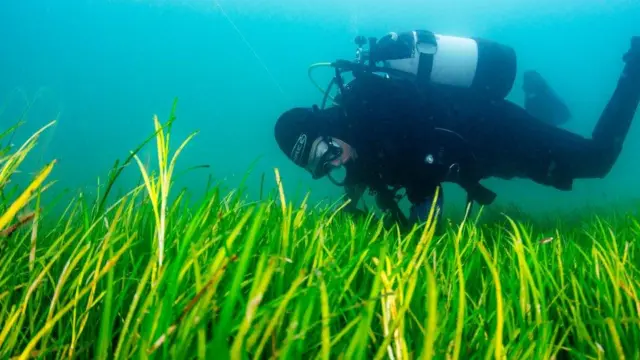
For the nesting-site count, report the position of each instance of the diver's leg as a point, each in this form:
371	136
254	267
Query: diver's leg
594	158
615	121
553	156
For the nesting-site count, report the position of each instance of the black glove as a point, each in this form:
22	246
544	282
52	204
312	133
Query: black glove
633	55
632	58
395	46
355	212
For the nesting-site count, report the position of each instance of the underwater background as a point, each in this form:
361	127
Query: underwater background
104	68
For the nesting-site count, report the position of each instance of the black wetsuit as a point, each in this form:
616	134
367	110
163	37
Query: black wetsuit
417	139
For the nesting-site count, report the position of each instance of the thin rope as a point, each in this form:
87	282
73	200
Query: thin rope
275	81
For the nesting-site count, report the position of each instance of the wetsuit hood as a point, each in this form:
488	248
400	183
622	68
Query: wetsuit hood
296	130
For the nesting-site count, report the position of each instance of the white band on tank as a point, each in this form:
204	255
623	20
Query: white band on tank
455	62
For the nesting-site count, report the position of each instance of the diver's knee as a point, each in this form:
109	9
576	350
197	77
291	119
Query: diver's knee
594	170
601	171
605	163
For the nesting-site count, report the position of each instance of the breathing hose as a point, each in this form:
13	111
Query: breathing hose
323	91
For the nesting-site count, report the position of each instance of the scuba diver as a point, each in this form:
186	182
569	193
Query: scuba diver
436	112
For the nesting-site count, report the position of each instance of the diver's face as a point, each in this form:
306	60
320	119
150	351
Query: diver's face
328	154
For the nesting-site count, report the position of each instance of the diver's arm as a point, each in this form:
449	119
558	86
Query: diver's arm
353	194
420	209
388	204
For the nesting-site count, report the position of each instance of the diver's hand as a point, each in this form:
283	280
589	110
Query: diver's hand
388	222
633	55
355	212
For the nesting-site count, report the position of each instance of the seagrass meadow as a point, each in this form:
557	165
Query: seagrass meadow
151	275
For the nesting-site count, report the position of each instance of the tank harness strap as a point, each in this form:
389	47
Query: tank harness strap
424	68
425	63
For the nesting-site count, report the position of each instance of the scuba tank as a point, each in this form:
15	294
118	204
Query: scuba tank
479	65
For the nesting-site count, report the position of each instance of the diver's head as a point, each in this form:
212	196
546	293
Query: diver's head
305	135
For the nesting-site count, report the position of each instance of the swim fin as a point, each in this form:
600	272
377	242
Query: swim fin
542	102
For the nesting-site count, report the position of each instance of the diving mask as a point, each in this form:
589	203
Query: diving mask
321	157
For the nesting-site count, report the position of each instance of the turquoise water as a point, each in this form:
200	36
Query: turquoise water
104	68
